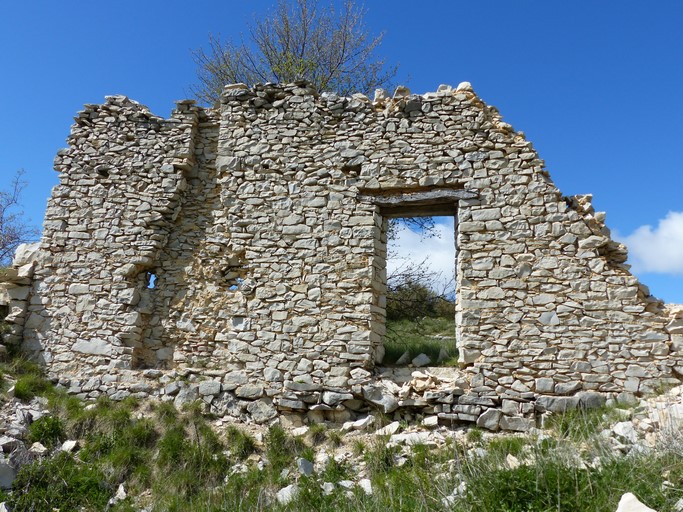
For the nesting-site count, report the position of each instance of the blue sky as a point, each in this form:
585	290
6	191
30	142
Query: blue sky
595	85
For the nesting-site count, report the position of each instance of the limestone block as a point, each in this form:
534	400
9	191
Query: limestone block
249	391
516	423
93	346
26	254
261	411
209	387
490	420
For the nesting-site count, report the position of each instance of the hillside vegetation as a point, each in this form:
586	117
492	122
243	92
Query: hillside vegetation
148	456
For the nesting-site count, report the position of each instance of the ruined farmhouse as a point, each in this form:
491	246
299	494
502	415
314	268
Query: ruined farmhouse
237	254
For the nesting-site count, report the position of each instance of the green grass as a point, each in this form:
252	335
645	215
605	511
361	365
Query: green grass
582	424
60	483
47	430
427	335
178	463
173	461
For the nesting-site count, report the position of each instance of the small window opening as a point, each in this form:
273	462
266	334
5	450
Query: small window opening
151	279
351	168
236	285
235	272
420	292
4	311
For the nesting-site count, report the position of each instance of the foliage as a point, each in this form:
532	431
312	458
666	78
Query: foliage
303	39
29	376
582	424
28	386
47	430
13	229
425	336
240	443
173	461
554	484
59	483
412	299
282	449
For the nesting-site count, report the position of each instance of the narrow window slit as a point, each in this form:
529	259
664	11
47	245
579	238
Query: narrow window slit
151	280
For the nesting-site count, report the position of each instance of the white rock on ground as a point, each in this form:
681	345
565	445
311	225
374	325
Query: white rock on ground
287	494
305	466
421	360
629	503
69	446
389	430
366	485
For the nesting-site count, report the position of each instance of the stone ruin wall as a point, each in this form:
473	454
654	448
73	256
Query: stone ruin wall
263	224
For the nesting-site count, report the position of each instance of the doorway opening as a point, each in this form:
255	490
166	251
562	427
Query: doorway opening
420	290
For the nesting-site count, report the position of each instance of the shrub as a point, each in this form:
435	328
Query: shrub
28	386
47	430
281	448
241	445
59	483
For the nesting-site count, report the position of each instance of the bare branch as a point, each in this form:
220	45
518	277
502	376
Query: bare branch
13	229
299	40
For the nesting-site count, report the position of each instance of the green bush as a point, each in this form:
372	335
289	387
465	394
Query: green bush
29	386
47	430
281	448
241	445
59	483
411	300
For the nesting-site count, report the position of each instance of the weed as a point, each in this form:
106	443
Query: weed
335	437
428	336
30	385
380	457
505	445
475	435
59	483
359	447
581	424
167	413
318	433
241	444
335	471
553	484
47	430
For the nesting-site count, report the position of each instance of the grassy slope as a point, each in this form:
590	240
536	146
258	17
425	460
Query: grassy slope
428	336
171	461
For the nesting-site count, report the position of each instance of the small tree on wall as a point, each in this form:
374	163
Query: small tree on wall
13	229
300	39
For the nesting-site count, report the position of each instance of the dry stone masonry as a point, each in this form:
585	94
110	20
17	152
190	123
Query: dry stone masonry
237	255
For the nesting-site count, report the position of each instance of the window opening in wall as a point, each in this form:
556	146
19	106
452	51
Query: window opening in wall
4	311
234	272
151	278
420	296
236	284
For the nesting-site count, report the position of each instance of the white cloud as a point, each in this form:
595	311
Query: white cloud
658	250
438	252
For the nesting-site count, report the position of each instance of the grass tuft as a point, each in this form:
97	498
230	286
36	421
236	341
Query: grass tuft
47	430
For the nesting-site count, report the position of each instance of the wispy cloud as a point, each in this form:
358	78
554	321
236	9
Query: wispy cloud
438	251
659	249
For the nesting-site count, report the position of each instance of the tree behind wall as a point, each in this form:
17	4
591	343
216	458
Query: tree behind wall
300	39
13	229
